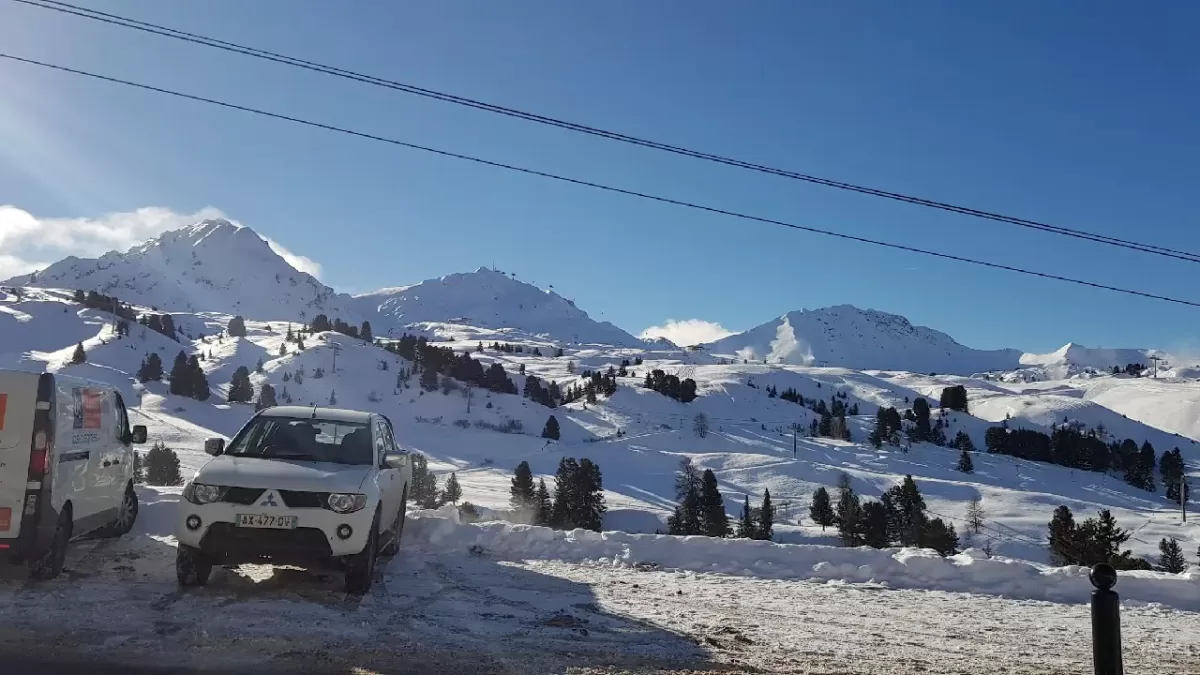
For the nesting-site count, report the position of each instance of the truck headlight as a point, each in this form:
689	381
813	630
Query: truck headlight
346	503
199	493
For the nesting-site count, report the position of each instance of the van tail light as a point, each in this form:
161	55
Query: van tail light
39	457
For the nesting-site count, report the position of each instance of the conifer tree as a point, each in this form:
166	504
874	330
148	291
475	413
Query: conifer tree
162	466
544	507
364	333
79	356
714	520
424	483
975	513
965	464
197	379
848	513
181	374
962	441
766	518
522	495
333	397
1170	557
873	525
452	492
821	510
237	327
746	527
551	429
151	369
240	388
1063	537
266	397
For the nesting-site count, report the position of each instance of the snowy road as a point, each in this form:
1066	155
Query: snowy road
467	613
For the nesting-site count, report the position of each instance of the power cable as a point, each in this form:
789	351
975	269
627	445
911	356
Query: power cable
156	29
599	186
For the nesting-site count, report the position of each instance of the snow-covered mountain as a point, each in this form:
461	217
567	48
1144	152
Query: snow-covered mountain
212	266
490	299
850	337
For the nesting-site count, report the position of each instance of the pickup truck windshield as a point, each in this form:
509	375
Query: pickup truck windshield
305	439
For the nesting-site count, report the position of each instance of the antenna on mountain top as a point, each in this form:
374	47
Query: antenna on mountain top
1155	360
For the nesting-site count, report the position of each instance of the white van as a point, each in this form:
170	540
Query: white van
66	466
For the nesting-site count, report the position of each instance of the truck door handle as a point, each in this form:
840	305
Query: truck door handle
107	463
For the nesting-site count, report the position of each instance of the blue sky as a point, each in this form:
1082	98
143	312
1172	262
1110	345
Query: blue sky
1078	117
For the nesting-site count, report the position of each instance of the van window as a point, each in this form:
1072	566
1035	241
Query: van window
122	418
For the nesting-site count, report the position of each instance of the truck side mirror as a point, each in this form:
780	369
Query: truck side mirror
138	436
214	446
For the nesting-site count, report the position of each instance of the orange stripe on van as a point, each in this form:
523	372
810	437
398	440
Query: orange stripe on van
3	408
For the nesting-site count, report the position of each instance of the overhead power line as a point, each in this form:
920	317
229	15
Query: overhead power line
590	184
156	29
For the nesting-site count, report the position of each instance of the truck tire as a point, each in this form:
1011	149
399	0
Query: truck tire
192	567
126	516
360	573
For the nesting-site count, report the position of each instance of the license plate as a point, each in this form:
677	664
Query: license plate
5	519
267	522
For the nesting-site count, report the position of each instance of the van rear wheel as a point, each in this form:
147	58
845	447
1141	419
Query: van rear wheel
126	516
49	563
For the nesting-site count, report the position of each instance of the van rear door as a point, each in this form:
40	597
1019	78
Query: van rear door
18	396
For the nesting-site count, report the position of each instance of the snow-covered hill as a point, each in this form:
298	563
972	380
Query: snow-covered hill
862	339
490	299
214	266
1073	360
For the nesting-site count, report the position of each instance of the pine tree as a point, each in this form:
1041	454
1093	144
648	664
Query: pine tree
873	525
920	410
259	368
139	468
907	512
333	397
714	520
1171	556
591	496
766	518
79	356
424	483
266	397
940	536
975	513
848	513
746	527
965	464
364	333
452	492
283	349
429	378
151	369
522	492
198	380
236	327
688	509
566	499
181	374
821	510
700	425
162	466
1063	537
962	441
551	429
544	508
240	389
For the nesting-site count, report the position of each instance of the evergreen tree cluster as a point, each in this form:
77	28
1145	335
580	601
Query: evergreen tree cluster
188	378
700	509
151	369
106	303
162	324
236	327
899	518
1134	369
532	503
433	360
1068	446
954	398
671	386
1093	541
240	388
512	349
887	427
547	395
321	323
756	522
578	496
1171	467
599	384
162	466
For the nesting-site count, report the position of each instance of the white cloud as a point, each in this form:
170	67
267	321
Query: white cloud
688	331
300	262
26	241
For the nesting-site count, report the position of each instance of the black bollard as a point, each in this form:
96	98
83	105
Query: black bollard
1106	621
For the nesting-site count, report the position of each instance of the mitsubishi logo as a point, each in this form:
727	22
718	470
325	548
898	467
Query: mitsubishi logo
269	501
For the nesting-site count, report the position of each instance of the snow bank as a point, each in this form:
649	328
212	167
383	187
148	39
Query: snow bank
968	572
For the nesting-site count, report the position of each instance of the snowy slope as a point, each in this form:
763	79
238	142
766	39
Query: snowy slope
209	266
1072	360
863	339
490	299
